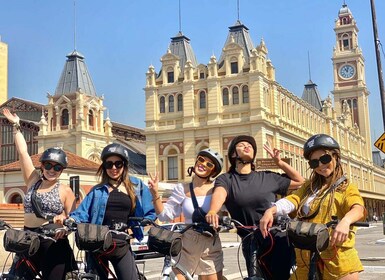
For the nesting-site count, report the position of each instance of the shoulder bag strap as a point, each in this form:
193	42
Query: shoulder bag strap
193	197
332	187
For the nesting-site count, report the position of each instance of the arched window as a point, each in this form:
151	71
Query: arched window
345	42
16	198
64	117
180	102
202	100
171	103
172	162
162	105
90	118
225	96
235	95
245	94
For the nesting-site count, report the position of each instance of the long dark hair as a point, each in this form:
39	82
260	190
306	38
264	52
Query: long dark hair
124	179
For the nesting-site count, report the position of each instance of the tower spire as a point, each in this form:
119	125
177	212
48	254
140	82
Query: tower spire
75	25
180	18
308	62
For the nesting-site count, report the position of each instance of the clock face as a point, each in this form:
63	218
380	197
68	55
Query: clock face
347	71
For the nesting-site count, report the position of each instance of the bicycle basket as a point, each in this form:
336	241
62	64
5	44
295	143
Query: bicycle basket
164	241
20	241
308	236
92	237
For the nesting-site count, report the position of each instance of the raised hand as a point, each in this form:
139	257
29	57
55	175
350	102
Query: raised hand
13	118
153	183
273	152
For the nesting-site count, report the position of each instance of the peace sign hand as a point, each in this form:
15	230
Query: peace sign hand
153	184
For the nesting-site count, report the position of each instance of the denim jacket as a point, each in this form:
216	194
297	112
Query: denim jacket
93	207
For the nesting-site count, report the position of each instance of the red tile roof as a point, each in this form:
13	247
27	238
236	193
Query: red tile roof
74	162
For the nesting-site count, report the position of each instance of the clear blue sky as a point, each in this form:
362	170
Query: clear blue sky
121	38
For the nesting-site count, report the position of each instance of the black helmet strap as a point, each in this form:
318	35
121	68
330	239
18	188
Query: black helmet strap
238	158
191	170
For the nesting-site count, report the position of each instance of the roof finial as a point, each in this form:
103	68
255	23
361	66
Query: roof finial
180	18
308	62
75	25
344	4
238	8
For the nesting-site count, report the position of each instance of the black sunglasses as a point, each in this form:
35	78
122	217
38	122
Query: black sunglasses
109	164
325	159
49	166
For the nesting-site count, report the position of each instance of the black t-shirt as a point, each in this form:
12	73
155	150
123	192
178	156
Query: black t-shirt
249	195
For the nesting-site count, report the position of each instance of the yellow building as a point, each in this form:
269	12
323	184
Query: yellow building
3	72
191	106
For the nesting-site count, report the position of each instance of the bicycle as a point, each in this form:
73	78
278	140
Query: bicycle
169	263
22	267
261	251
91	274
315	273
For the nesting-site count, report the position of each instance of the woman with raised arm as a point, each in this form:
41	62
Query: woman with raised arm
46	199
202	250
247	193
327	193
117	197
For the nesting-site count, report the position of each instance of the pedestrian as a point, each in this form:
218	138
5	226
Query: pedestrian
202	250
117	197
247	193
375	217
317	201
47	199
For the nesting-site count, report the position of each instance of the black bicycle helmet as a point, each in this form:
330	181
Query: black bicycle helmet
115	149
319	141
235	141
55	155
215	157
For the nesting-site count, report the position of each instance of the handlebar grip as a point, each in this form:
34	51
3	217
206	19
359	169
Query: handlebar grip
360	224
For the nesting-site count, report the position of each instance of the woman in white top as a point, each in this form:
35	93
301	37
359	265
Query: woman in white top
202	250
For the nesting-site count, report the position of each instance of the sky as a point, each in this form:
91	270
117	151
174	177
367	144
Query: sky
120	39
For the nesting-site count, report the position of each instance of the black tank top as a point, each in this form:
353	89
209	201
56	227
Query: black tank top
118	208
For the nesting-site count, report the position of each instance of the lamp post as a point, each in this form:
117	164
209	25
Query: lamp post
378	58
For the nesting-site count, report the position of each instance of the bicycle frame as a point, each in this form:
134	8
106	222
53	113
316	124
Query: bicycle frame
168	266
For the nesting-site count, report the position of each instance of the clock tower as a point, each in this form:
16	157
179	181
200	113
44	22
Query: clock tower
349	73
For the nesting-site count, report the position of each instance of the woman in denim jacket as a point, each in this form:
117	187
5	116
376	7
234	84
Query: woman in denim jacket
118	197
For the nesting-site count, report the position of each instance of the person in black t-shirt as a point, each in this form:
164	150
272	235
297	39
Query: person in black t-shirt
246	194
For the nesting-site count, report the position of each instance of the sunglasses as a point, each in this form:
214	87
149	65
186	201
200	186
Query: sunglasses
49	166
203	161
109	164
325	159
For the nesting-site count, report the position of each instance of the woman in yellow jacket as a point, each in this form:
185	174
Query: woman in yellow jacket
317	201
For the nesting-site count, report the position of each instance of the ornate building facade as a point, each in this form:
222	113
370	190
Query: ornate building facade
191	106
73	119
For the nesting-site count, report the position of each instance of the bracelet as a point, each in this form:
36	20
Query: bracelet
156	198
211	212
16	126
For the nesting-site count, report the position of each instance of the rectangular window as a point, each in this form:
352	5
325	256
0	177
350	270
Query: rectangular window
201	75
234	67
172	168
170	77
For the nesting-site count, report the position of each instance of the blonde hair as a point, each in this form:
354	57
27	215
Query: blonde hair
319	184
